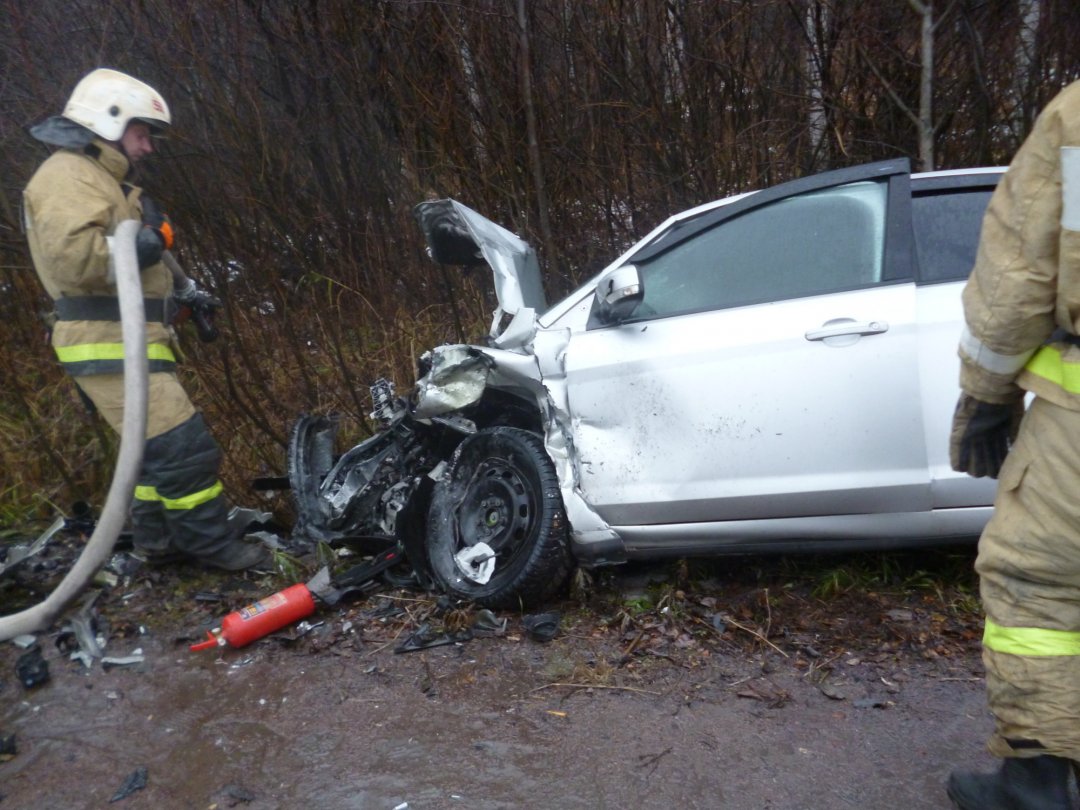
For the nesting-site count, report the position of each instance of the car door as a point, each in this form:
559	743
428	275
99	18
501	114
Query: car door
771	368
947	213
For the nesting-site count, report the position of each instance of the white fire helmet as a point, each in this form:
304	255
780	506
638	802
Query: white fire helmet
105	101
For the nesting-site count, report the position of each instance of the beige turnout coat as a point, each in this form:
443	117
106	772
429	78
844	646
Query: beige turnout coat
72	204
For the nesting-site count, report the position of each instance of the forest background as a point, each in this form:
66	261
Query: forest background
306	130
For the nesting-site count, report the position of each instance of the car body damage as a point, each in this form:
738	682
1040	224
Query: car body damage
383	486
771	371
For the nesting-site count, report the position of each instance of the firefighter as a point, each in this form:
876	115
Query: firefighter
72	206
1022	316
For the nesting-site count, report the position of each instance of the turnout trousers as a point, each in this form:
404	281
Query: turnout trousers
1029	569
179	505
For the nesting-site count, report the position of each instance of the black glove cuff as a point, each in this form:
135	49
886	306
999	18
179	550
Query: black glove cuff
148	247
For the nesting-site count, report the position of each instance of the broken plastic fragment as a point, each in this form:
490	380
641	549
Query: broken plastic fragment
122	661
424	638
18	554
476	563
31	669
541	626
24	642
488	624
136	781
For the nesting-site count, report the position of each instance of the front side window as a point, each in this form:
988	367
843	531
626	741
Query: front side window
810	244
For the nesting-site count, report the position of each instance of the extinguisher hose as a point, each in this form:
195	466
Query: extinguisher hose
129	460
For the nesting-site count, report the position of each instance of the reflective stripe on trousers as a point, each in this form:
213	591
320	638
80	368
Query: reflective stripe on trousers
149	493
1030	641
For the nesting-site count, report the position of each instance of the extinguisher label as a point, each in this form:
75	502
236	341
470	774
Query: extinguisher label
263	605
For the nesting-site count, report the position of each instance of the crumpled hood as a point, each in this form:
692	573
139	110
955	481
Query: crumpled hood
456	234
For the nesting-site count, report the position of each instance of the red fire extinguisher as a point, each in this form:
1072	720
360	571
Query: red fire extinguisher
248	624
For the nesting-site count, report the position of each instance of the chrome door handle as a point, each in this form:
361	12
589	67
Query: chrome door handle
847	327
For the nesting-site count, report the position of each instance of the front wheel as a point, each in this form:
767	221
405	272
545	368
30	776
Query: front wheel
496	531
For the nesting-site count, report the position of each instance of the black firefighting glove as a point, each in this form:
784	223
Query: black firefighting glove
156	235
201	306
981	435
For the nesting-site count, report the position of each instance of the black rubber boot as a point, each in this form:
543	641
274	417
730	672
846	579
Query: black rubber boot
1038	783
238	556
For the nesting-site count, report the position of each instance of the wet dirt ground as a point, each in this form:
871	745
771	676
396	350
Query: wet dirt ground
743	691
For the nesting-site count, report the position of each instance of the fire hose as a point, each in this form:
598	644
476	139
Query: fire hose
129	460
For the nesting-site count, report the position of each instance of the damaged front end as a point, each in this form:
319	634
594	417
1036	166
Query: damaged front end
473	475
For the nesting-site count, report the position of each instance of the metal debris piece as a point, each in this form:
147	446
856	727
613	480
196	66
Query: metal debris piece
241	518
108	662
31	669
20	553
541	626
84	626
123	564
424	639
105	579
305	627
488	624
136	781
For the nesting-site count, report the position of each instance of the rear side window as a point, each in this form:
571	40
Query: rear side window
947	226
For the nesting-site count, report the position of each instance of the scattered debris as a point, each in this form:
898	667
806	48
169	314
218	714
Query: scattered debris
109	662
135	781
31	668
488	624
541	626
7	747
24	642
423	638
18	554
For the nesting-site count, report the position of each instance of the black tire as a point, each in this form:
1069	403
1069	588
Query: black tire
501	489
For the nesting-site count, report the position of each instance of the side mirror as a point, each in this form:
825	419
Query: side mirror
619	293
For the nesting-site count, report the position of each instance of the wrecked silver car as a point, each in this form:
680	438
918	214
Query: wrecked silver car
772	371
